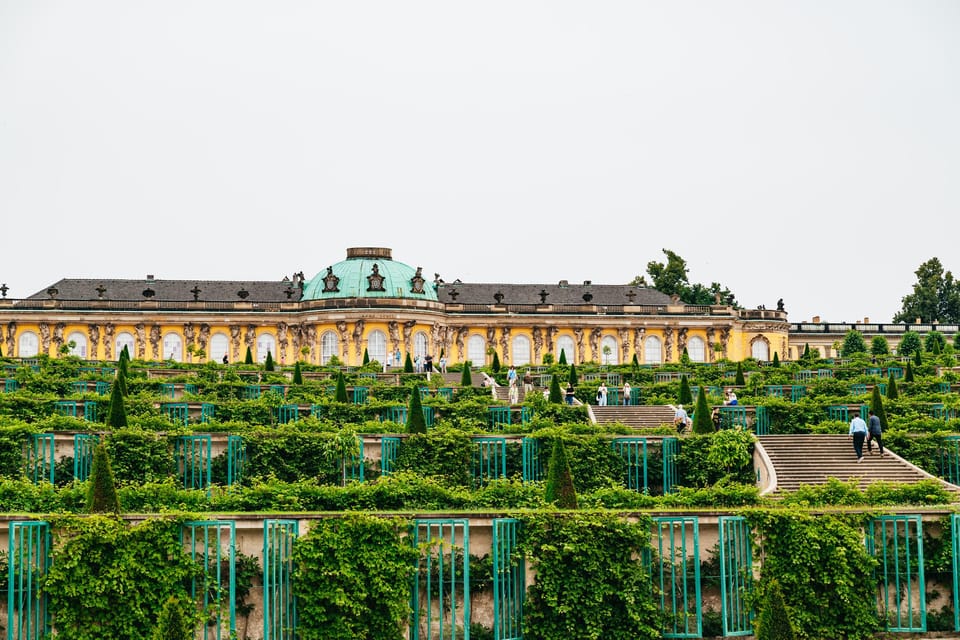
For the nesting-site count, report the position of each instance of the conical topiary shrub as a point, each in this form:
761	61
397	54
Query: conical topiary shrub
634	362
738	380
173	623
560	490
908	376
416	423
102	490
806	352
341	388
248	359
876	403
776	359
297	374
573	379
556	395
268	363
408	364
366	356
563	357
702	420
892	392
465	379
495	365
685	396
116	411
123	364
121	381
773	623
917	359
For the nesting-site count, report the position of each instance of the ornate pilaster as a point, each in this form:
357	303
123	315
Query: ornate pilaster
155	342
344	341
282	341
358	338
595	354
44	338
505	343
638	334
551	337
624	335
724	340
11	336
250	337
668	343
93	333
108	331
393	328
407	334
537	345
681	340
189	336
580	357
58	335
711	340
235	342
141	331
461	336
310	340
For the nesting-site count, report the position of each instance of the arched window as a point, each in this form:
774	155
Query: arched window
329	345
377	346
760	349
79	347
172	347
477	350
652	350
609	354
696	349
521	351
124	339
219	346
420	344
28	345
565	345
266	343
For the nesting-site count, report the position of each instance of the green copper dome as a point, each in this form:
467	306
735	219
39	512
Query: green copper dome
369	272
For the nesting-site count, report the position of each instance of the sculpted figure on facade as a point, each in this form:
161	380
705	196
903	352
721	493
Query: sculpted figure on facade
638	334
108	331
668	343
435	339
250	337
235	341
282	341
711	340
189	335
551	337
93	333
505	343
155	341
393	329
358	337
203	336
461	336
407	333
624	334
681	339
580	356
58	335
344	340
310	339
537	344
11	336
491	337
44	337
724	339
141	330
595	354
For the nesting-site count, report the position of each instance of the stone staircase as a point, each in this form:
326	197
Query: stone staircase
812	459
638	416
503	393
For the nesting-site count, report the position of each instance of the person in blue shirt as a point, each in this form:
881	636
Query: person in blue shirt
858	429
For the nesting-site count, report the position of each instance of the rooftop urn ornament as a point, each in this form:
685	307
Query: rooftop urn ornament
498	296
243	293
543	296
3	289
417	281
453	293
196	292
330	282
100	291
375	280
631	295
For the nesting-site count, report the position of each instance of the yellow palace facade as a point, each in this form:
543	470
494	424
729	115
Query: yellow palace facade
370	302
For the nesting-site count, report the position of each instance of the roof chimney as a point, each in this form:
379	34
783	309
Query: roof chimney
149	276
816	320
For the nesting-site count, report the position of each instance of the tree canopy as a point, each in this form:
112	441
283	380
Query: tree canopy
672	278
935	297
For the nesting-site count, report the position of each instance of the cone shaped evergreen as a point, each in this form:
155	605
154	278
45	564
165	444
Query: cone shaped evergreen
738	380
773	623
495	366
408	364
563	357
297	374
892	392
172	624
702	421
573	375
121	381
268	363
556	396
248	359
116	411
634	362
917	359
685	396
876	403
560	490
416	423
908	376
341	388
465	379
776	359
102	491
366	356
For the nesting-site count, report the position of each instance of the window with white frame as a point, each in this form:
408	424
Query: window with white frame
565	345
420	344
124	339
521	351
329	345
652	350
28	345
609	354
173	347
696	349
79	347
377	346
760	349
477	350
219	346
266	343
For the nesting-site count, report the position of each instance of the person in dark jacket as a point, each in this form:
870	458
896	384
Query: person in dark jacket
874	433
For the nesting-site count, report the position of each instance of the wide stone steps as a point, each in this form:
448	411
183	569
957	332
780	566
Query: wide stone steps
813	459
636	416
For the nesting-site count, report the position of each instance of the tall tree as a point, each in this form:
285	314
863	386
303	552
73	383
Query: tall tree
934	342
879	346
495	366
853	343
935	297
909	343
671	278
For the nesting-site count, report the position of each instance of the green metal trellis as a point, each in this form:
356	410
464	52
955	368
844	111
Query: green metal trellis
279	603
236	457
677	576
213	545
736	575
509	580
193	454
489	459
83	446
440	594
28	556
389	448
40	461
670	449
897	544
532	462
633	451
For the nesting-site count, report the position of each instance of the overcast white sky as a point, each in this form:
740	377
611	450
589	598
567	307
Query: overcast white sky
803	150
